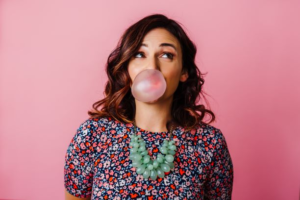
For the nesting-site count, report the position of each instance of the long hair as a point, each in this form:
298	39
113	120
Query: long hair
119	103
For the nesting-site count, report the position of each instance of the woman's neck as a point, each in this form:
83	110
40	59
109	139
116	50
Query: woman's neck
153	117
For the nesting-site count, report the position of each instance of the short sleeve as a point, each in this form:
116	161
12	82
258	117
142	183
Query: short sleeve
78	169
220	180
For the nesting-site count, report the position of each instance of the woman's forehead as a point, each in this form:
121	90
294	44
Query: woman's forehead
160	34
160	37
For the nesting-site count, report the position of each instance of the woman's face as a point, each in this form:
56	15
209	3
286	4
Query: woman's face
162	51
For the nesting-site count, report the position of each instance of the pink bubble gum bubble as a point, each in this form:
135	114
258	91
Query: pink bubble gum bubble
148	86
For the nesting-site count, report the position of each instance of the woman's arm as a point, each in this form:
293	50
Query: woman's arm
78	168
220	181
68	196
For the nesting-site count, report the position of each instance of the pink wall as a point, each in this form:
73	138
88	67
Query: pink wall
52	57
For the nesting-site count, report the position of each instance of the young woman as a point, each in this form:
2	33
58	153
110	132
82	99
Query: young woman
132	149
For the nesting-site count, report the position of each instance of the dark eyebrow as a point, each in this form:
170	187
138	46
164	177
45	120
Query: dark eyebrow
163	45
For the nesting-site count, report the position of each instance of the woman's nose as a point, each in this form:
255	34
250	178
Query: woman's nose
153	63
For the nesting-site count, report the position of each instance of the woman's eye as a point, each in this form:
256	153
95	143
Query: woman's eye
169	54
138	53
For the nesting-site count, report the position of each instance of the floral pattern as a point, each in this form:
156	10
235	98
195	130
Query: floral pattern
97	163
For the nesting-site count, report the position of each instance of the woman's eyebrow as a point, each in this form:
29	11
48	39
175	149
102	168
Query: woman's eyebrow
163	45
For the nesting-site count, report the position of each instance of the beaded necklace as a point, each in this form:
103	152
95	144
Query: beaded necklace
147	166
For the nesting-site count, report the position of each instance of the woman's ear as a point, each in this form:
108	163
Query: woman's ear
184	76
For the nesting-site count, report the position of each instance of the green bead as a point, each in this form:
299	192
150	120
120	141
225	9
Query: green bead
150	162
171	152
160	173
155	164
150	166
169	158
143	153
140	161
140	140
138	136
136	164
165	145
165	167
172	147
163	150
160	159
133	150
140	169
142	148
135	145
132	155
153	174
137	157
160	155
172	142
146	159
146	173
170	164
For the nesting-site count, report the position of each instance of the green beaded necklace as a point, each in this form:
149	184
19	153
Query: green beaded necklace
146	166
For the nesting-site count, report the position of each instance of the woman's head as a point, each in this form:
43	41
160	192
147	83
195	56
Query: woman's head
160	50
139	49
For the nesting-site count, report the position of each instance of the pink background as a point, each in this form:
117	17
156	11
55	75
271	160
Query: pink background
52	57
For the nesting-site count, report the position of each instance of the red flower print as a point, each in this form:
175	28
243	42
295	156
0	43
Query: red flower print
133	196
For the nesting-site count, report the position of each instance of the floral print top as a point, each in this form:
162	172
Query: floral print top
97	163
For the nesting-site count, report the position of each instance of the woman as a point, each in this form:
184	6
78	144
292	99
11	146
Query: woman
100	160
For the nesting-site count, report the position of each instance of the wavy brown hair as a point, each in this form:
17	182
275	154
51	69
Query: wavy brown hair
119	103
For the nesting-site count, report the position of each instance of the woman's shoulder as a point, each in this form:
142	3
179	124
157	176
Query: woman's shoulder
91	127
209	130
210	137
94	122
